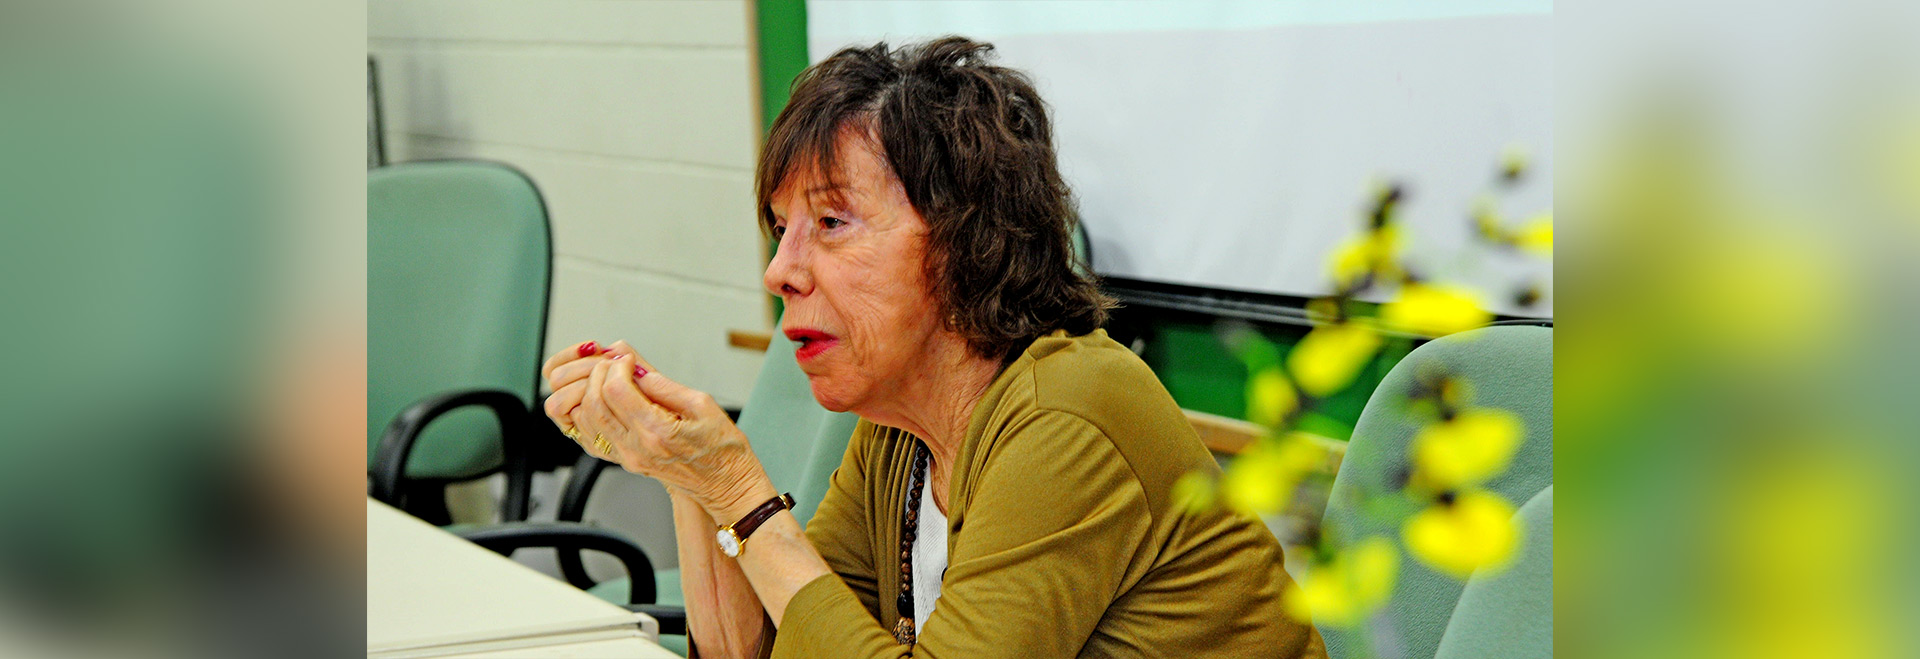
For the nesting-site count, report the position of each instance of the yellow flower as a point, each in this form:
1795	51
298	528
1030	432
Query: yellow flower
1476	531
1351	262
1252	486
1474	446
1327	359
1264	477
1513	161
1270	397
1347	589
1372	253
1434	310
1323	309
1487	220
1194	491
1536	235
1300	453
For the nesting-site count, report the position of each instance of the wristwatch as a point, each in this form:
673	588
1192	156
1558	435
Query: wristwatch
734	536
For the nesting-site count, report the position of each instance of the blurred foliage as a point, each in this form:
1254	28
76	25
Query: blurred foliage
1448	523
1744	410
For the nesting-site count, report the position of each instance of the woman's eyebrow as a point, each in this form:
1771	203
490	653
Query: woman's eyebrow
832	192
832	195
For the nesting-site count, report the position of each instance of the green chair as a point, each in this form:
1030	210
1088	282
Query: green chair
459	264
1082	249
1508	367
1510	613
458	267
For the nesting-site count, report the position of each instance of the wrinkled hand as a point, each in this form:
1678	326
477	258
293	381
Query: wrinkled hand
652	426
567	373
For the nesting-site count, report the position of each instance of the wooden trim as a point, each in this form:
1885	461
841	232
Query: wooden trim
1223	435
1228	436
749	340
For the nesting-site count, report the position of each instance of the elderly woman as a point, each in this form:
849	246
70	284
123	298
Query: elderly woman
1008	488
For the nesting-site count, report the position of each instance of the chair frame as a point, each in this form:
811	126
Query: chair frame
569	536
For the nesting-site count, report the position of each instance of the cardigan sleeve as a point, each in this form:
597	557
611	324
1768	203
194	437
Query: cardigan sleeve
1051	524
840	529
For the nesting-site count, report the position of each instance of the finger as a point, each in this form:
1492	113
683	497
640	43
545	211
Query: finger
591	429
589	442
675	397
593	408
629	405
620	348
594	412
561	403
574	371
587	349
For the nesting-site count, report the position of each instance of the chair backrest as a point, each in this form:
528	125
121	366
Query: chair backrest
458	264
1509	367
1510	613
798	442
1082	249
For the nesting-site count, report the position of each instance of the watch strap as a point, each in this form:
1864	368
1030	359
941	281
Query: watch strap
760	515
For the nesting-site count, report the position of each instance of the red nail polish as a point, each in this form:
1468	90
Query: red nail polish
589	348
639	372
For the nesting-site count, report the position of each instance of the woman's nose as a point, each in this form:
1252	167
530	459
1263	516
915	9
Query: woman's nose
787	273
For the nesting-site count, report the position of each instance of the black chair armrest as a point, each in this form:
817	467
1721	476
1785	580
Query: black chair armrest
673	619
390	464
573	508
573	500
573	538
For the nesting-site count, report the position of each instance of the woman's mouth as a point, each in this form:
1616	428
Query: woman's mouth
810	343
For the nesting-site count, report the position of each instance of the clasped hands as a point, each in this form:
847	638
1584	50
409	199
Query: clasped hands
612	402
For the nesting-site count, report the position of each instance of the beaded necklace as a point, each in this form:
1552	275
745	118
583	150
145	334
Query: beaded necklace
909	526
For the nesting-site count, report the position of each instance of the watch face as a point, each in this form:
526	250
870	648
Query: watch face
729	543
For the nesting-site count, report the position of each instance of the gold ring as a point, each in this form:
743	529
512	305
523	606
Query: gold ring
600	444
571	433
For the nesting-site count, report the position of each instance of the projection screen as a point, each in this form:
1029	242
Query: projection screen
1234	145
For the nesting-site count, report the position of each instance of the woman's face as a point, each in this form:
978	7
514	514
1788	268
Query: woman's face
851	269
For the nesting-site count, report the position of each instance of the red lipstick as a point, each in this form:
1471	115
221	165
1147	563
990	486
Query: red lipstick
811	342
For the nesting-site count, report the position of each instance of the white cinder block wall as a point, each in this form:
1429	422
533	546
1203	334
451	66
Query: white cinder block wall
638	122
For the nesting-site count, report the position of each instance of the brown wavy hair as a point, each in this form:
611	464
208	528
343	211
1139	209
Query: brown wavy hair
972	145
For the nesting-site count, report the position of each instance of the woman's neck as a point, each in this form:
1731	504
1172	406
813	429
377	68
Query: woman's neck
937	404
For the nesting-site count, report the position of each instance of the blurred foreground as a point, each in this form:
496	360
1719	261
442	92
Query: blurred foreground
1736	399
182	190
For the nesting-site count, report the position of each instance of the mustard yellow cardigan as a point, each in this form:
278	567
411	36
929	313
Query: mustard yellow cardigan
1062	539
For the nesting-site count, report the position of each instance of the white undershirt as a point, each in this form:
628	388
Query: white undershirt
929	556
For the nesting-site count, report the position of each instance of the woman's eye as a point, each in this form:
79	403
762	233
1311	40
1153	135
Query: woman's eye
779	231
831	222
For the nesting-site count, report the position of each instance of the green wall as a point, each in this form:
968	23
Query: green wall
1184	349
782	27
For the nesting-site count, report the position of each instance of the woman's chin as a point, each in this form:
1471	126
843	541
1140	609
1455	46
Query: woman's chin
826	395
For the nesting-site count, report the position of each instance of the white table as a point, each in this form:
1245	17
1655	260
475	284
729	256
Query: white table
432	594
